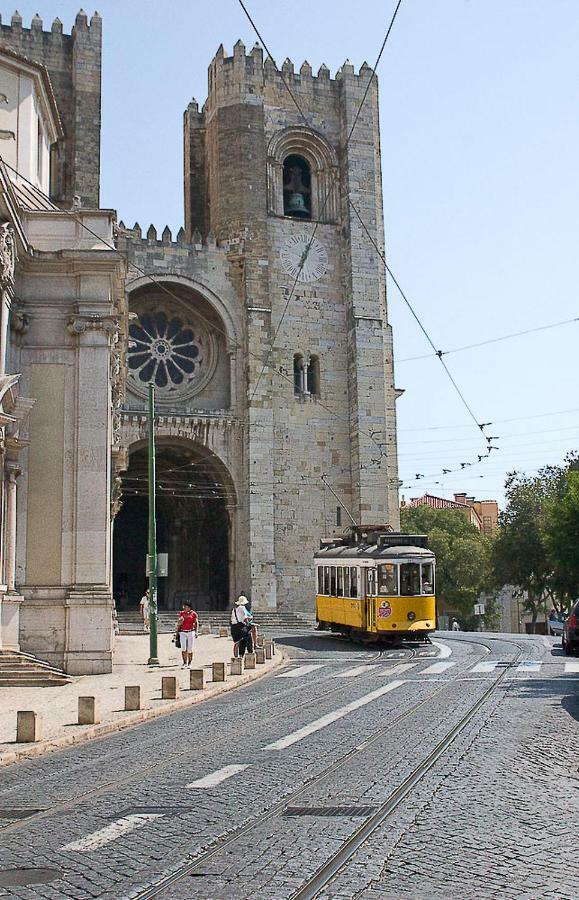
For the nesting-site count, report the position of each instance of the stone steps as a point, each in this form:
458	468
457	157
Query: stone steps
23	670
130	622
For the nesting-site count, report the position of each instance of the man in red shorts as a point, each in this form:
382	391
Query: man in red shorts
187	630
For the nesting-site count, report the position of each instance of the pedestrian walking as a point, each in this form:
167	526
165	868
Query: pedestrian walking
145	605
455	625
187	628
241	627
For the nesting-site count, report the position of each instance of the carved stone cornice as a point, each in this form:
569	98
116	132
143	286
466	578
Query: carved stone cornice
19	320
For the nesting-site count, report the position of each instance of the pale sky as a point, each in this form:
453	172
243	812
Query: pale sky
480	149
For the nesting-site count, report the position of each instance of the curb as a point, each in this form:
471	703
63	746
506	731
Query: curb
95	731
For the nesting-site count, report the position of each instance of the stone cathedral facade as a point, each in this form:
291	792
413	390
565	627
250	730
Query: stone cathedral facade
274	384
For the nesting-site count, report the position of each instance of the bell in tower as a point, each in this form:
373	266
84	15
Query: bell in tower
296	188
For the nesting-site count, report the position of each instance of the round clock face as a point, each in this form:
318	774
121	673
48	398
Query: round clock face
315	260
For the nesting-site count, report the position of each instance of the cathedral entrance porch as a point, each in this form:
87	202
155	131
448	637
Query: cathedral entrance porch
194	527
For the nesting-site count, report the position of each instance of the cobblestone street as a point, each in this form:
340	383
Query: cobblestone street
252	793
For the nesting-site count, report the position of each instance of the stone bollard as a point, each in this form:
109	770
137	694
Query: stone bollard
132	696
218	671
206	629
249	660
196	679
87	711
236	665
169	687
259	641
28	727
260	656
223	631
267	646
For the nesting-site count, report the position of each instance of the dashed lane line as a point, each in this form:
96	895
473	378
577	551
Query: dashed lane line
353	673
489	666
396	670
438	668
299	671
332	717
529	665
111	832
214	778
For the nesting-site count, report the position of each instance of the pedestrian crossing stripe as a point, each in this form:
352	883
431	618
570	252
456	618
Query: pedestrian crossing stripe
299	671
353	673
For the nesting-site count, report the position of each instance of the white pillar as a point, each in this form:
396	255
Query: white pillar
10	530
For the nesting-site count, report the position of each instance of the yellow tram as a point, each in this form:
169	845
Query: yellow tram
376	582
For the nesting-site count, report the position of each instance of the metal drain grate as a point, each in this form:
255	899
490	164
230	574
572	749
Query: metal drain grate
329	811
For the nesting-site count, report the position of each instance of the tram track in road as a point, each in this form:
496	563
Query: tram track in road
333	866
169	760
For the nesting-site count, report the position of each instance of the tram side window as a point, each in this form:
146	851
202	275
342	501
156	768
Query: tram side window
409	579
327	581
333	581
388	579
354	581
340	582
347	582
427	578
320	579
371	582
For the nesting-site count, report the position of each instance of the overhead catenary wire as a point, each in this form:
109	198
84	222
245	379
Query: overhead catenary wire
496	340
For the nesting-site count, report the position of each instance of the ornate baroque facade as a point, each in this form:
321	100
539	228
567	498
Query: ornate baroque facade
274	385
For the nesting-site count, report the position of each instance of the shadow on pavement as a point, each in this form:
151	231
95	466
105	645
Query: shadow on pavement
563	690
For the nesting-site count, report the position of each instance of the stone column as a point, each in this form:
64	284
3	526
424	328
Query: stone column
10	529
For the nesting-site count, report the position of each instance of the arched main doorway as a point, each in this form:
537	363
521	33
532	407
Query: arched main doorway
195	502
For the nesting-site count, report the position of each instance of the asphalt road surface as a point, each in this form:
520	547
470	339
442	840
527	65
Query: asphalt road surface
448	771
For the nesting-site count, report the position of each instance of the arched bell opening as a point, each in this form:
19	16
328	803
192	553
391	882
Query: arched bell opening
195	509
297	187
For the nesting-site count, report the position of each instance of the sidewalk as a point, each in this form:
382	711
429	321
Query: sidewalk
59	705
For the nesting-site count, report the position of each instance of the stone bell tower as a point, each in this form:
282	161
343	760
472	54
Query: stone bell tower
318	393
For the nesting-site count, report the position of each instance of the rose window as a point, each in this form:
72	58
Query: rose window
165	350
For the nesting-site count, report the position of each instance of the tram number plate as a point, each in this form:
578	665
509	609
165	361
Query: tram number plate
384	612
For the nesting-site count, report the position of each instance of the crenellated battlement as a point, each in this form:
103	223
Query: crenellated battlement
151	237
92	27
73	63
252	70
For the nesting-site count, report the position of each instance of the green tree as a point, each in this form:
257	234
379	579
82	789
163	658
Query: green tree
526	552
561	533
462	558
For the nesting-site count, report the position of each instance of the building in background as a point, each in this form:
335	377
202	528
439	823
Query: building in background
483	514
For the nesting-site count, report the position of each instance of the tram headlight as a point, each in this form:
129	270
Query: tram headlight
411	616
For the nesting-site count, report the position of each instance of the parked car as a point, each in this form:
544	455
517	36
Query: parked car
557	624
570	638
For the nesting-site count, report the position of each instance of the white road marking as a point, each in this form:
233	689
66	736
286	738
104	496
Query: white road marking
397	670
572	665
438	668
299	671
332	717
217	777
489	666
353	673
111	832
529	665
445	651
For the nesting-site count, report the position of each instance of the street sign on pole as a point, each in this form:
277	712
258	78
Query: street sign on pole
153	658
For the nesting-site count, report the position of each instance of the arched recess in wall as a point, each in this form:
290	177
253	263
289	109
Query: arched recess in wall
197	511
182	338
321	158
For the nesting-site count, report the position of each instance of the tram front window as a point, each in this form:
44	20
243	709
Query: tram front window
427	578
409	579
388	580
